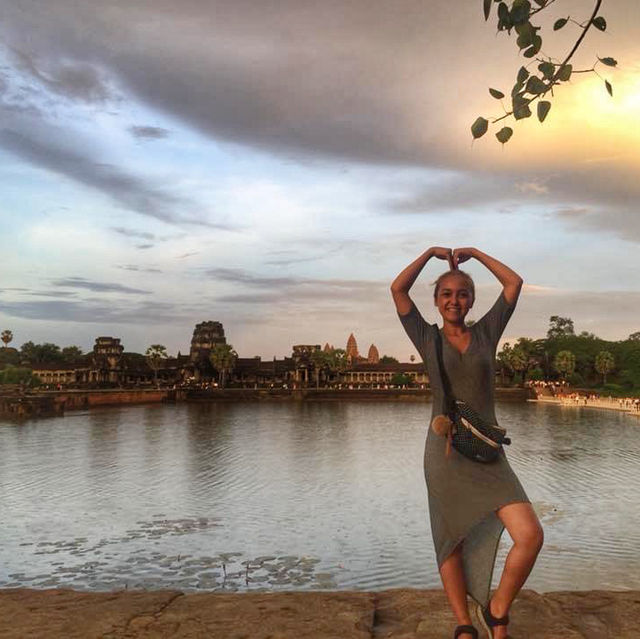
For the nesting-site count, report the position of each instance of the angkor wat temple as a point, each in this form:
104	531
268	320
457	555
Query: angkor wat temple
108	364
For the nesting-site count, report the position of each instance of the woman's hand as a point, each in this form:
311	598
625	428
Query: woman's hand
462	255
443	253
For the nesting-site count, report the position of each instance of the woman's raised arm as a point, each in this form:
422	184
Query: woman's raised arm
401	285
510	280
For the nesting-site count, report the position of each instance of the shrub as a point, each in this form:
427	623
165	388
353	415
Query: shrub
535	374
575	379
16	375
400	379
614	388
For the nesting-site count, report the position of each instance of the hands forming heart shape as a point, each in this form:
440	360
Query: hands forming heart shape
455	256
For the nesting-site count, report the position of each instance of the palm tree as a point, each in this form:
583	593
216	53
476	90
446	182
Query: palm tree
565	363
321	362
6	337
518	360
503	359
155	354
222	358
337	361
604	364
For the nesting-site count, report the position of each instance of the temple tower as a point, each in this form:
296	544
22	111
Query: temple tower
205	336
107	359
373	357
352	350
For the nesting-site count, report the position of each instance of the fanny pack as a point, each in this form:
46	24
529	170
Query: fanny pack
470	435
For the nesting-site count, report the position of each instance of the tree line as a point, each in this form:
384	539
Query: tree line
584	360
16	364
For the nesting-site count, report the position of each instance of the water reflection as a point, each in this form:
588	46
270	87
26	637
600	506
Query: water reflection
294	496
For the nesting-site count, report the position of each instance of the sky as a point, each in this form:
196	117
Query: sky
274	165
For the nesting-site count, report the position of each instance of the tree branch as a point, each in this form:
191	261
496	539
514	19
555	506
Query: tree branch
554	79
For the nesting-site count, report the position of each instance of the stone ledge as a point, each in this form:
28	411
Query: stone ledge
401	613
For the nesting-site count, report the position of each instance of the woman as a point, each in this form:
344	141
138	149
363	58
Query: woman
470	503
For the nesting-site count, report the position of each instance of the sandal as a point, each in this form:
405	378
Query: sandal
460	630
488	621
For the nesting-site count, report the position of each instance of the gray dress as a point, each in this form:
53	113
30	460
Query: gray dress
463	494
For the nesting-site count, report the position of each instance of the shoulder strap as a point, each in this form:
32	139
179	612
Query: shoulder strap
446	387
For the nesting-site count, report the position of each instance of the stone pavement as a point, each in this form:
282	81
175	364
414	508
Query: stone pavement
401	613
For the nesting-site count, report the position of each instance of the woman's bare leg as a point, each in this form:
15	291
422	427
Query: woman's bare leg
525	530
454	585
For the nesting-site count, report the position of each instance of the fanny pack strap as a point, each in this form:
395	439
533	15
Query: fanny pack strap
446	387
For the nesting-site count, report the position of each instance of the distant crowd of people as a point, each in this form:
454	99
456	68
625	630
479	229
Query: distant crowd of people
554	387
560	390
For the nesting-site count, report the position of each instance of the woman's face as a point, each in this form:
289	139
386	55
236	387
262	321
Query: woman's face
454	299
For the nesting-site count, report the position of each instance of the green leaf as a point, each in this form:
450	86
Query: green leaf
504	134
600	23
543	109
523	74
610	62
558	24
520	11
540	3
526	35
535	85
518	101
521	27
504	21
534	48
520	106
479	127
548	69
496	94
565	72
487	8
609	87
522	112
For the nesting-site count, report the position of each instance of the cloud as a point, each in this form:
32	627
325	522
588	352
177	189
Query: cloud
586	198
298	291
248	298
532	187
240	276
448	191
144	235
130	192
148	132
101	287
569	213
96	312
333	80
138	269
74	80
286	261
378	82
53	294
369	82
610	314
